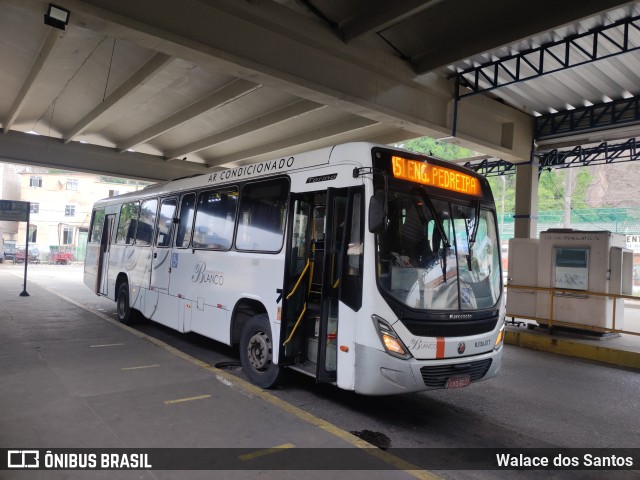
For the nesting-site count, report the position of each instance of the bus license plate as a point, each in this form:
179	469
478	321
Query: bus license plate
458	382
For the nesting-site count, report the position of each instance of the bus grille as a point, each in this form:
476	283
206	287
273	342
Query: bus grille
436	376
450	329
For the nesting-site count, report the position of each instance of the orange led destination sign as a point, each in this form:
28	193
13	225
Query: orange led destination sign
435	176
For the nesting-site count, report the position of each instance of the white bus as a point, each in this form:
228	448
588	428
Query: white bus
365	266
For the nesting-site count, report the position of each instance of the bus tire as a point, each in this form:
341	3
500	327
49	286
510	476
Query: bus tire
123	307
256	352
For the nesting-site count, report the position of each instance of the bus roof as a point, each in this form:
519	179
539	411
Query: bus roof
286	164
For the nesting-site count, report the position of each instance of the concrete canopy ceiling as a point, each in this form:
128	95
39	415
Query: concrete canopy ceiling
160	89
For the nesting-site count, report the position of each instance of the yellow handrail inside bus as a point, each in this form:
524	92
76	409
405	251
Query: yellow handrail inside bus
295	287
304	310
313	255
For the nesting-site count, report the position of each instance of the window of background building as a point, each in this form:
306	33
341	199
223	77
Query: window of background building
72	184
33	233
69	210
67	235
35	207
35	182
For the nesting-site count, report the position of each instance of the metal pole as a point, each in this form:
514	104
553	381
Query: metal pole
26	253
504	181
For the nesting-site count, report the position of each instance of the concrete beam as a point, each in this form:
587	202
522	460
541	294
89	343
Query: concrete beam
217	99
288	112
157	62
300	142
45	50
266	43
382	15
23	148
474	27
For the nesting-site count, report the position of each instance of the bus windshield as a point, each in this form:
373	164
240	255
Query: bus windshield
439	254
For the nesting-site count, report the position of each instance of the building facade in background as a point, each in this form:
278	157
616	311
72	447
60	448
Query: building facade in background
61	207
9	190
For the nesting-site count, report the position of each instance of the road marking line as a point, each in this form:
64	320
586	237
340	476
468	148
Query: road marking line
266	451
140	367
107	345
188	399
250	388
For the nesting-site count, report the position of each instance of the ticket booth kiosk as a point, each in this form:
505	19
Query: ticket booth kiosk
578	264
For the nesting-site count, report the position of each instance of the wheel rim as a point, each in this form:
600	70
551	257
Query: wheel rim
259	351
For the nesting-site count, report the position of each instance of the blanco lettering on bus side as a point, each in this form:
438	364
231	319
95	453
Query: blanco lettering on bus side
271	166
202	275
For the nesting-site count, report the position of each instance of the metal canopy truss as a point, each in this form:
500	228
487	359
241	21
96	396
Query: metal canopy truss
492	168
617	113
603	153
596	44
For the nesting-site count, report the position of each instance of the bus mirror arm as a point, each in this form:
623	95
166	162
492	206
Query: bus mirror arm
378	202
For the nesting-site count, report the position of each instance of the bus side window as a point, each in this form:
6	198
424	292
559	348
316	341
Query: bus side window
165	222
127	223
185	225
262	217
146	223
97	224
215	219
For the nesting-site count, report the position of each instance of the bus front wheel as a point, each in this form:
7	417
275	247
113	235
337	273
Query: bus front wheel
256	352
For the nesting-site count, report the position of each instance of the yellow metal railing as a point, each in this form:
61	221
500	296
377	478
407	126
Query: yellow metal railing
582	293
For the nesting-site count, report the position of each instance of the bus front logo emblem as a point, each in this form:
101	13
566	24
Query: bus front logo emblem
461	348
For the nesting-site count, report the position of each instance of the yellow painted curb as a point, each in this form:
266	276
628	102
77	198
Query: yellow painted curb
572	348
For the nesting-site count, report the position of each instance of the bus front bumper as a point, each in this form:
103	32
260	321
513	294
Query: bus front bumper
383	374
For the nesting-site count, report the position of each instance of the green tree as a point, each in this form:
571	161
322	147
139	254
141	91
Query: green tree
443	150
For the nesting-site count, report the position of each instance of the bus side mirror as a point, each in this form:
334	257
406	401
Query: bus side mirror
377	213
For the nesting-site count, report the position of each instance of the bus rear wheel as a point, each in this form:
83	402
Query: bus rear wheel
125	312
256	352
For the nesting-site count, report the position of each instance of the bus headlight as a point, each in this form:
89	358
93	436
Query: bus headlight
500	338
392	344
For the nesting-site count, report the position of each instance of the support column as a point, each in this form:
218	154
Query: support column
526	214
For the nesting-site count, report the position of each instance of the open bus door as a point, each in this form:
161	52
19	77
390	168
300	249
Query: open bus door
335	227
310	299
103	256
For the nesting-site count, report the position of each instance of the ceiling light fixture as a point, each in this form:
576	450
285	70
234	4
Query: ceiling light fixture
57	17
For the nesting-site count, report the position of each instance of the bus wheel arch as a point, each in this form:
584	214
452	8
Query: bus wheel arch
256	352
242	312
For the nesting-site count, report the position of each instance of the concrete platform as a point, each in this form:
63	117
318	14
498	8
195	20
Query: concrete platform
621	350
72	378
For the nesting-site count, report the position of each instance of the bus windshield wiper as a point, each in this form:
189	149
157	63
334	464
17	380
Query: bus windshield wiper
440	227
471	236
476	223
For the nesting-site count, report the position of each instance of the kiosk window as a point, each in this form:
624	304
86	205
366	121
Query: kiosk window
571	268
